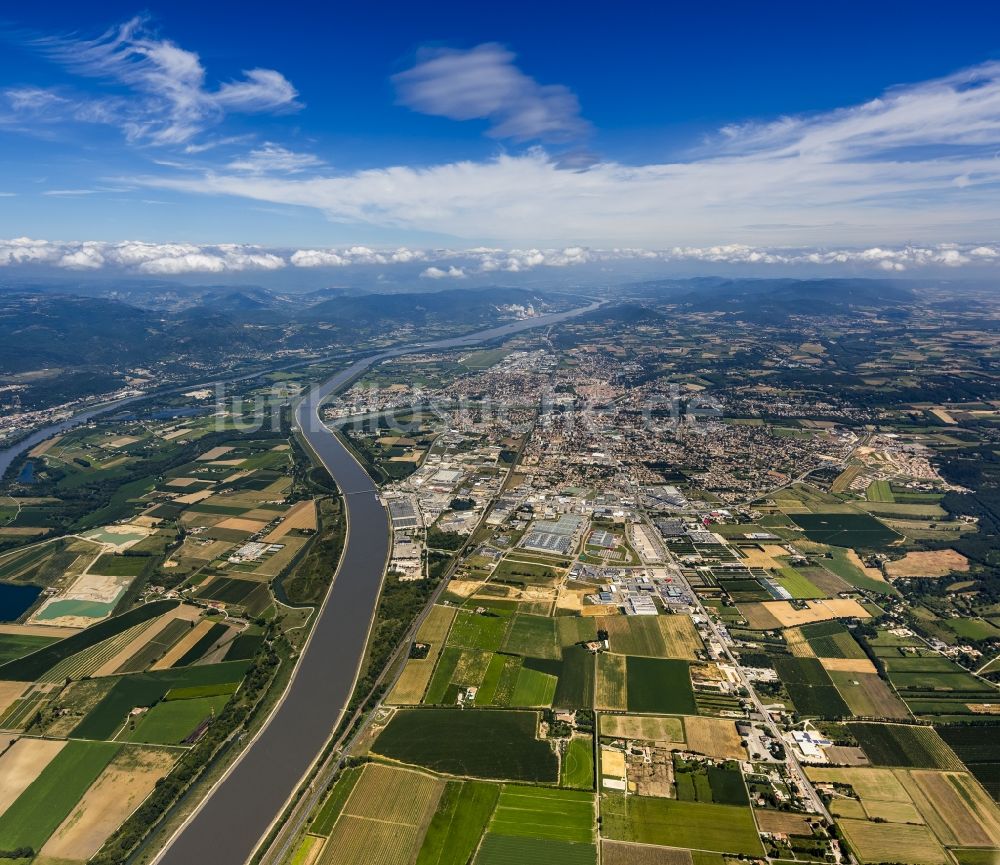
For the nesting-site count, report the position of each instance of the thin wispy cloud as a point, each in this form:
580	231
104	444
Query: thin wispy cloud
484	83
273	158
889	169
162	95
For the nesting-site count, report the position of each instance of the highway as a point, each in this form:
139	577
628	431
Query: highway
233	819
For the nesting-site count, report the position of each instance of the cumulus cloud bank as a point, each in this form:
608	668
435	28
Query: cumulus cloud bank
167	259
151	258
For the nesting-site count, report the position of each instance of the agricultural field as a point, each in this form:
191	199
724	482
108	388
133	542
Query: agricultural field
384	818
978	746
673	823
659	686
480	743
458	824
852	529
904	745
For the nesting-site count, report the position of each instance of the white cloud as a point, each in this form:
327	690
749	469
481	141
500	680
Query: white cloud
169	101
179	258
884	170
484	83
152	258
270	157
439	273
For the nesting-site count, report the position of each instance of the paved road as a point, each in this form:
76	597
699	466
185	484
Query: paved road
238	812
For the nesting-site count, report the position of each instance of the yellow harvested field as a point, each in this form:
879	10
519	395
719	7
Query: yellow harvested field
412	683
181	482
858	562
21	763
598	610
815	611
214	454
942	415
680	636
278	561
235	476
175	434
181	647
241	525
783	822
797	644
44	447
38	630
848	665
893	842
893	812
121	788
612	762
714	737
384	817
954	806
932	563
235	462
9	692
123	441
301	516
649	728
22	531
193	498
763	556
879	785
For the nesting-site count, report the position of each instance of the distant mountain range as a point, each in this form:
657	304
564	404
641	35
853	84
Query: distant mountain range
771	299
208	328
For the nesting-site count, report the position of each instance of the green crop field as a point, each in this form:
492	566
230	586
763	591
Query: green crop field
832	640
145	689
797	585
577	768
673	823
636	635
659	686
540	812
497	688
459	822
576	682
170	722
534	636
534	688
508	850
18	645
328	813
904	745
482	743
811	688
880	491
119	566
478	631
846	530
39	810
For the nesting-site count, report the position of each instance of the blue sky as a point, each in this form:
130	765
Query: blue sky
758	133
